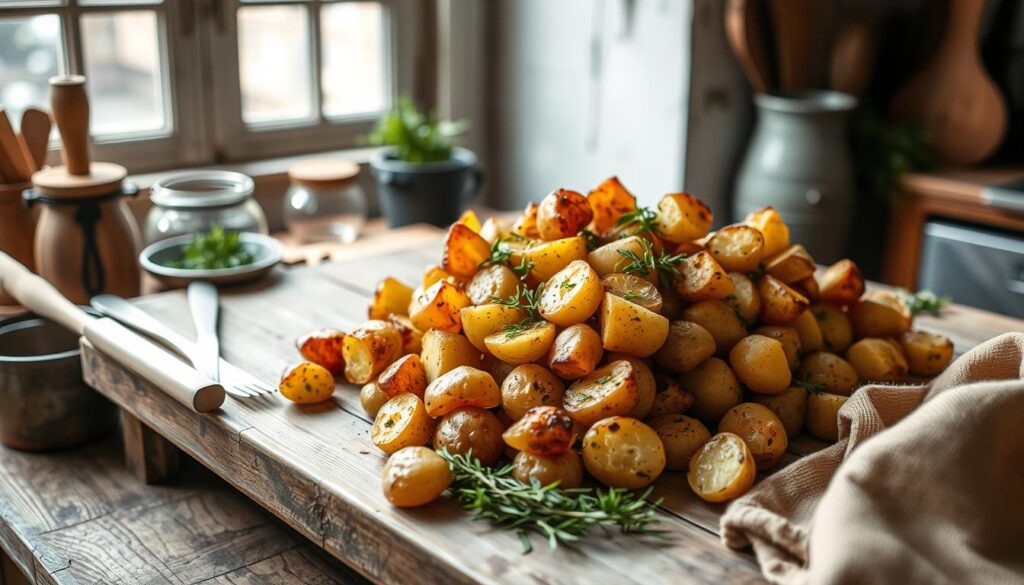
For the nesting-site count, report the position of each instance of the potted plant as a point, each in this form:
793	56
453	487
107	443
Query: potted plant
423	177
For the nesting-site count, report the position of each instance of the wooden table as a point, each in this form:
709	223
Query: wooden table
316	469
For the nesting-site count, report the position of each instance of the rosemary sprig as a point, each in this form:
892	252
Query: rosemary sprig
559	515
513	330
592	239
664	264
523	298
502	254
641	219
923	301
812	387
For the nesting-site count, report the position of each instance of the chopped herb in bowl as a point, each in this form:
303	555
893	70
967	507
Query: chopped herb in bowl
216	249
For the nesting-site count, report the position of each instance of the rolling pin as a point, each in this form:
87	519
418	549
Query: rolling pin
137	353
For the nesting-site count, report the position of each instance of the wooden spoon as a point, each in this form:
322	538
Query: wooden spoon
798	26
13	165
35	130
742	28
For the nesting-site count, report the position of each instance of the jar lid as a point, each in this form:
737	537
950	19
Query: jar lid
324	173
201	190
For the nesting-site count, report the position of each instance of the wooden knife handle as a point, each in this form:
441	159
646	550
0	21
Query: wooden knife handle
39	296
70	108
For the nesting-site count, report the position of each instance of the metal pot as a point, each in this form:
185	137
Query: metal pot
44	404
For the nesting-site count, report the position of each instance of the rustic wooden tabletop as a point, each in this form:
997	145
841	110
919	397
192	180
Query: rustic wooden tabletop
316	469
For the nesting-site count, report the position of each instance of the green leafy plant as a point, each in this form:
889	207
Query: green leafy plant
215	249
417	138
923	301
559	515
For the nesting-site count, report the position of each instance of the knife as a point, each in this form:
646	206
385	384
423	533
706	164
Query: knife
203	304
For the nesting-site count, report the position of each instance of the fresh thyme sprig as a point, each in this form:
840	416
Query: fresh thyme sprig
812	387
559	515
502	254
523	298
923	301
664	264
644	219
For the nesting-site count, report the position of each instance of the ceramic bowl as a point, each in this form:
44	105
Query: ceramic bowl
265	250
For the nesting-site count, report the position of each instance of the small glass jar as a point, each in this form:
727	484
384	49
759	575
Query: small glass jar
195	201
324	202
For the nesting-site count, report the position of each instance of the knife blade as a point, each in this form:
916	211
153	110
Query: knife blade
203	304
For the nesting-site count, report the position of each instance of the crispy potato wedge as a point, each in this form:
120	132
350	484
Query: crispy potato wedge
634	289
791	265
562	214
701	277
841	283
406	374
683	218
546	431
738	248
775	231
464	251
608	391
463	386
630	328
927	354
391	298
526	225
412	338
780	304
576	352
369	349
444	351
496	280
572	295
323	347
401	422
438	307
470	219
482	320
523	345
609	201
723	469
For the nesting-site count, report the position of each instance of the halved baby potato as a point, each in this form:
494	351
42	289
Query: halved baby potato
371	398
780	304
719	320
878	360
683	218
479	321
789	339
323	347
775	231
547	258
823	368
634	289
808	330
528	386
880	314
463	386
682	436
412	338
547	431
791	265
524	345
391	298
609	201
406	374
566	469
576	352
744	299
369	349
841	283
927	354
438	307
623	452
670	397
629	328
444	351
761	429
701	277
401	422
571	296
614	256
760	363
494	281
723	469
607	391
306	383
834	324
563	213
738	248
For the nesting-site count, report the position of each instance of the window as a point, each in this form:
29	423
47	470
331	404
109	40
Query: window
182	82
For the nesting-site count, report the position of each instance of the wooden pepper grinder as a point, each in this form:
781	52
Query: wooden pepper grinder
87	241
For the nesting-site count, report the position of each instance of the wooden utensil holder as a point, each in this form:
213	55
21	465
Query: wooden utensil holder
17	229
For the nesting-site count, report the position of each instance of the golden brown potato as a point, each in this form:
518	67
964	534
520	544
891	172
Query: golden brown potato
789	339
683	218
575	352
609	390
431	275
406	374
547	258
566	469
323	347
391	297
613	257
371	398
470	219
527	386
760	363
646	385
823	368
770	224
563	213
841	283
401	422
464	251
687	345
780	304
789	405
701	277
720	321
471	430
810	333
738	248
572	295
463	386
672	305
878	360
496	280
791	265
836	330
715	389
927	354
761	429
526	225
723	469
623	452
522	345
744	300
415	476
879	314
630	328
369	349
494	229
482	320
609	201
544	430
443	352
438	307
306	383
809	288
670	397
681	436
498	369
634	289
412	338
823	415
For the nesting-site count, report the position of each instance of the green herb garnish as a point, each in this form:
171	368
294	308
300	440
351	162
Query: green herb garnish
640	220
812	387
524	298
923	301
502	254
559	515
215	249
592	239
663	264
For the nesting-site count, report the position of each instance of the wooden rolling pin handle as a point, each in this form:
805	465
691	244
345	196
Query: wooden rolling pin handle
39	296
71	113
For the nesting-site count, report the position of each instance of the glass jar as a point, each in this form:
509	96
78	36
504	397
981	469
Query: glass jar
195	201
324	202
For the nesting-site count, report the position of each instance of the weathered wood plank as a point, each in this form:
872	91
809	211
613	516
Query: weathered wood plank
150	457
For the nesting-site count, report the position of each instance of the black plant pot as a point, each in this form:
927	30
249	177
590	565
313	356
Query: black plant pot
434	192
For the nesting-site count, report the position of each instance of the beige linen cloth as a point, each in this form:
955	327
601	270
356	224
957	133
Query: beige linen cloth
926	485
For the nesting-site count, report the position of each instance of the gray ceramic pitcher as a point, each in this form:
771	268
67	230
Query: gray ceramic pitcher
799	162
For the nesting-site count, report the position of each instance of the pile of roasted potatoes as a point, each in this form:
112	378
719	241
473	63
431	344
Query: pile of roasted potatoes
594	337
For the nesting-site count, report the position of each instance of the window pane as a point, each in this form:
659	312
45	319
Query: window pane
352	75
124	72
30	53
274	63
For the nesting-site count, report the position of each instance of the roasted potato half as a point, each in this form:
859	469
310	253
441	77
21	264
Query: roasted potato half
634	289
715	389
761	429
406	374
401	422
841	283
790	406
629	328
737	248
823	415
719	320
434	273
463	386
927	354
444	351
576	352
562	214
614	256
547	431
835	327
369	349
323	347
438	307
496	280
526	224
723	469
572	295
789	339
471	430
791	265
479	321
808	330
566	469
760	363
780	304
701	277
687	345
412	338
306	383
744	300
670	397
683	218
371	398
878	360
610	390
522	345
391	298
681	436
547	258
775	231
528	386
609	201
880	314
623	452
415	476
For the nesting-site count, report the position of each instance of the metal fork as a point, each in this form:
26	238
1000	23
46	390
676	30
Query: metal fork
237	383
